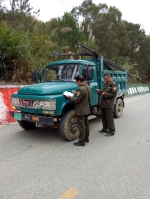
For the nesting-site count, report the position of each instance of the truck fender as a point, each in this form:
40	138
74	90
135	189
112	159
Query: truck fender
120	97
67	107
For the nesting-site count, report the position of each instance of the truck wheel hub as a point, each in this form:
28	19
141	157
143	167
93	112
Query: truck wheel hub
73	125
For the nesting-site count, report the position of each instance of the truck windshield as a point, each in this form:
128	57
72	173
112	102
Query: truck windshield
65	72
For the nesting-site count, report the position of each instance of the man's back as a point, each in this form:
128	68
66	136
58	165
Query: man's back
82	109
82	101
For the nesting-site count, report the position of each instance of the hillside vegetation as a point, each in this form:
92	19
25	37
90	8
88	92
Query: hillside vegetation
26	43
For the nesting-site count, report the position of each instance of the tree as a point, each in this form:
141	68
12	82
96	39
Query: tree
22	6
143	58
107	26
65	31
26	42
135	35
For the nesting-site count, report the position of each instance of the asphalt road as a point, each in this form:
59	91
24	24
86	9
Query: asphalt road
39	164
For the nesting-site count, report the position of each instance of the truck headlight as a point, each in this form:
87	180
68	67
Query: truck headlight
48	105
15	101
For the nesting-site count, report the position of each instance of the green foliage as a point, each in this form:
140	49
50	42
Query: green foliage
26	43
120	41
109	30
13	54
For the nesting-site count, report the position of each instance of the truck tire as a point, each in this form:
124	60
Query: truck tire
68	126
27	125
118	108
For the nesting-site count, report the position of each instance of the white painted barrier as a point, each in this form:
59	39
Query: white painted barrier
137	90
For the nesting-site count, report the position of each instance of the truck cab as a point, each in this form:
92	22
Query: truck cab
44	103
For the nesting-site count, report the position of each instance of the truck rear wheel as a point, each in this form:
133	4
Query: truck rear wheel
27	125
68	126
118	108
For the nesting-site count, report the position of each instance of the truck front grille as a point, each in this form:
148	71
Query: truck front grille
28	103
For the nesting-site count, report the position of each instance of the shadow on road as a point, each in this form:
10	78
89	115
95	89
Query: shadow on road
41	133
46	133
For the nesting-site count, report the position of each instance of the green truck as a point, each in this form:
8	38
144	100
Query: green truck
44	103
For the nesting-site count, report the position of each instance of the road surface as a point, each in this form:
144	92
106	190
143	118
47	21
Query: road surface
39	164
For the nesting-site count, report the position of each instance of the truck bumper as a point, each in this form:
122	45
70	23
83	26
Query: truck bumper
32	118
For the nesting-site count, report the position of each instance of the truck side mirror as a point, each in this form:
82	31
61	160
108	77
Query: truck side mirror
90	74
37	76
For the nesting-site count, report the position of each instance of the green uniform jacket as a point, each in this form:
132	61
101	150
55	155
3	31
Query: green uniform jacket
81	101
110	90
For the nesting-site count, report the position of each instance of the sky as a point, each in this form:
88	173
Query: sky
135	11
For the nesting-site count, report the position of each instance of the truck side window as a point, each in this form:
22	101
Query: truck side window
85	72
51	74
91	73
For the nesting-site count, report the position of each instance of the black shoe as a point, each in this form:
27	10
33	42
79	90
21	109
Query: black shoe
102	131
87	141
109	134
79	144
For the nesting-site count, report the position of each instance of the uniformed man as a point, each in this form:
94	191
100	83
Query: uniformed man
108	95
82	109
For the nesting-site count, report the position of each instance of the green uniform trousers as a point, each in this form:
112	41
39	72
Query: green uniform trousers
108	120
83	126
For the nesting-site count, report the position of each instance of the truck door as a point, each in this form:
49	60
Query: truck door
93	84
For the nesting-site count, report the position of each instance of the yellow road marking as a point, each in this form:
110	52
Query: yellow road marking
70	193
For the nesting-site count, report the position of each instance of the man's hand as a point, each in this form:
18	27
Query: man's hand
98	91
74	92
101	93
67	96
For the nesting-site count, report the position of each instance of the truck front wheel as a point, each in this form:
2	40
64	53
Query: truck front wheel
27	125
118	108
68	126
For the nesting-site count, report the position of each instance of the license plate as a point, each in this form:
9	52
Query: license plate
35	119
17	116
27	117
